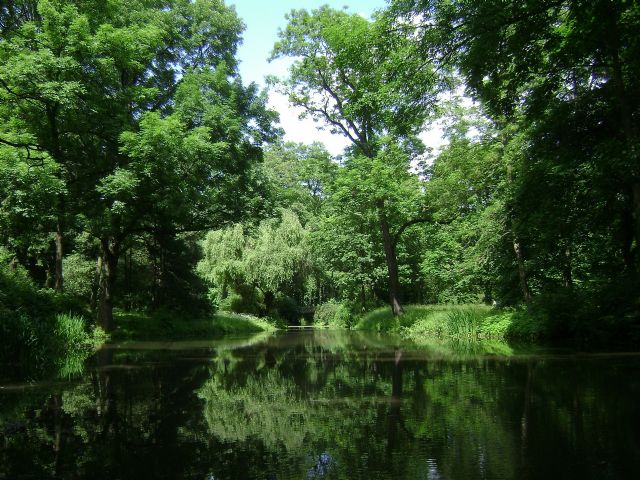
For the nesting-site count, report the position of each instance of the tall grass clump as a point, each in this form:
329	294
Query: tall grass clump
69	329
71	333
465	323
39	328
430	321
459	322
382	320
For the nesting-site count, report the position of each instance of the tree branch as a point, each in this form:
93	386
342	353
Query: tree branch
415	221
362	138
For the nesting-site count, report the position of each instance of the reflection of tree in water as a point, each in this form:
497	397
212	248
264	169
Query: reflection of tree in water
300	411
366	412
471	438
266	407
322	467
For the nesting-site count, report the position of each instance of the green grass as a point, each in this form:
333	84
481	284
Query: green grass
472	322
167	326
433	320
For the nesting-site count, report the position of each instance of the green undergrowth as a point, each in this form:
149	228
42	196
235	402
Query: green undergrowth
44	334
171	326
420	322
332	314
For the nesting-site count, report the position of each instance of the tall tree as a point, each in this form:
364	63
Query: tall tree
299	176
41	88
570	71
363	81
141	107
348	236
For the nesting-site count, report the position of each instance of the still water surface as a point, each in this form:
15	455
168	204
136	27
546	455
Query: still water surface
327	405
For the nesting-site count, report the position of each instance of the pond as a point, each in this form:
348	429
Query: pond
327	404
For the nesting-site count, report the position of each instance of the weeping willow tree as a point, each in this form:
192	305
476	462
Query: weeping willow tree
252	270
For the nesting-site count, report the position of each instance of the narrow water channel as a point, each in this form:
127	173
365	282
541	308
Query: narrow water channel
327	404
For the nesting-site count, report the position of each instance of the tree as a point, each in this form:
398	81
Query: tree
26	218
371	203
567	72
185	172
298	176
364	82
272	261
41	89
142	110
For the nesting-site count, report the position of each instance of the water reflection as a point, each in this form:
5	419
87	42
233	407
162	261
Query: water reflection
327	405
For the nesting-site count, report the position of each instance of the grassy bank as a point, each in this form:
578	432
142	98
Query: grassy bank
168	326
421	322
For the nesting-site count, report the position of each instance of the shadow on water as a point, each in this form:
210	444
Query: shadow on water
327	404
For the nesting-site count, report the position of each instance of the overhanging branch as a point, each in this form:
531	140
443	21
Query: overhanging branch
415	221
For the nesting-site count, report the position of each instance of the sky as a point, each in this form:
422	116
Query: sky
262	19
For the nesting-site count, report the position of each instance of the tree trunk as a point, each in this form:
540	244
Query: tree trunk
58	414
50	273
522	273
636	214
128	273
107	283
629	130
392	262
567	271
395	418
95	287
517	248
59	238
56	153
524	421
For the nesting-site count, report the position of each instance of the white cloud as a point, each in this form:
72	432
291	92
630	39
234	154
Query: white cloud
433	138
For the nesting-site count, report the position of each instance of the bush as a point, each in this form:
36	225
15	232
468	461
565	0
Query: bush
244	299
463	322
79	276
288	309
332	314
519	324
38	327
69	329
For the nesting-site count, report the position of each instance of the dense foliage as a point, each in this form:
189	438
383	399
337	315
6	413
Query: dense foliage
42	332
123	127
137	170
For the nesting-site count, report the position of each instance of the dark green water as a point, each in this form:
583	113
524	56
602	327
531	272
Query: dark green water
309	405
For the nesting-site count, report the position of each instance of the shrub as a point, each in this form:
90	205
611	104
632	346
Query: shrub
465	323
333	314
288	309
79	275
70	332
244	299
39	328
